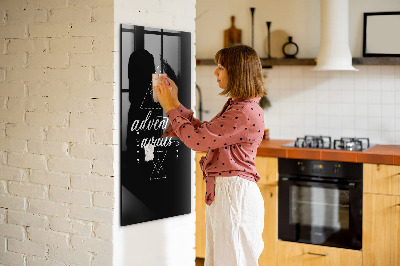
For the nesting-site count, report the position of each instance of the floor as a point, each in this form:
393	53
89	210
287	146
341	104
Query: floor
199	262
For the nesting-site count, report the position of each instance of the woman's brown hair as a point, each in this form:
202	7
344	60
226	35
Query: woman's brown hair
245	78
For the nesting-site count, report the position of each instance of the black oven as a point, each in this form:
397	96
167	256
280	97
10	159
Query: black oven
320	202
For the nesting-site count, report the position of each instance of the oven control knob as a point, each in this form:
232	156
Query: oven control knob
336	169
302	167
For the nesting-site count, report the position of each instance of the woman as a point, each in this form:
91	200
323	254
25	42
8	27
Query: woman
235	207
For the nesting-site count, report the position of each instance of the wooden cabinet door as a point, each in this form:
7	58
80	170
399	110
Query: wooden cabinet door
381	230
267	168
270	233
381	179
298	254
200	209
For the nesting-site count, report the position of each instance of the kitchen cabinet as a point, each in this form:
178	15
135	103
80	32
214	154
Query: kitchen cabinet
299	254
200	209
381	230
381	179
267	168
381	215
270	233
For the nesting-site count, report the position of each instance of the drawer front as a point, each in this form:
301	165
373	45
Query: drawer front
381	179
381	230
290	253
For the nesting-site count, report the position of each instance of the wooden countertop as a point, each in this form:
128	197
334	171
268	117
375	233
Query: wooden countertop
379	154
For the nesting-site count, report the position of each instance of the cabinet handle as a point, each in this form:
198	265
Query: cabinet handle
311	253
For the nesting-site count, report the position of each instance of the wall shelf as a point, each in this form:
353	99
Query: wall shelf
312	61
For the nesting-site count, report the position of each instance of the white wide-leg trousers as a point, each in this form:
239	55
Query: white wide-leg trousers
234	223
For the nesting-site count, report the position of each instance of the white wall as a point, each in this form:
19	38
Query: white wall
168	241
338	104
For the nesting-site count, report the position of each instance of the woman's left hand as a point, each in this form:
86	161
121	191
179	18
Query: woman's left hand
164	94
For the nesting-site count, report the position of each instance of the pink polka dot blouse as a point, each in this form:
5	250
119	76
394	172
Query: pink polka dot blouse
231	139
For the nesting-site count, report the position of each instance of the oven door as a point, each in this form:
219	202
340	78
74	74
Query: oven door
320	212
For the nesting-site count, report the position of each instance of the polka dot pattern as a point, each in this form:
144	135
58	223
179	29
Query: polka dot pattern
231	139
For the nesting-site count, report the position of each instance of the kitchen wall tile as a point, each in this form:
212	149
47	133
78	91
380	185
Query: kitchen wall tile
397	111
374	97
361	110
397	133
271	83
375	136
310	95
347	122
322	95
397	123
334	109
310	130
322	109
334	76
310	109
388	110
308	72
361	123
387	72
297	96
325	131
374	123
322	74
388	84
361	97
397	72
348	132
347	109
389	136
397	95
388	97
297	72
335	133
388	124
374	110
322	83
360	83
335	95
286	120
335	122
297	121
348	95
322	121
285	72
374	70
323	102
297	83
374	84
286	132
360	133
284	83
348	77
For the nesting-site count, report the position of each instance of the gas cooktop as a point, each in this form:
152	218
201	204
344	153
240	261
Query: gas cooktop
325	142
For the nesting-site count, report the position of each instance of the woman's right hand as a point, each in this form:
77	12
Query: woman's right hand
174	90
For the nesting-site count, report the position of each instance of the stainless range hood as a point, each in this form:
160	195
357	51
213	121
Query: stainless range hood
334	52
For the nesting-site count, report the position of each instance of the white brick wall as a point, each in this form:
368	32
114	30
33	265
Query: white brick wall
56	126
